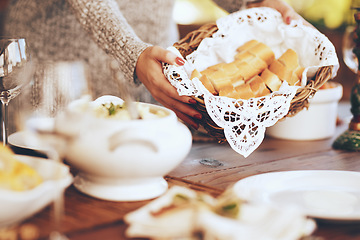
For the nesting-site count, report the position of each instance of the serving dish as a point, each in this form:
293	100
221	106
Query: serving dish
122	160
16	206
318	121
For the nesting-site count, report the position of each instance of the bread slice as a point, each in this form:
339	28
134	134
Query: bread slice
299	71
271	80
230	69
244	56
280	70
257	64
247	45
244	92
258	86
219	80
218	66
245	71
195	74
228	92
207	71
289	59
208	85
263	51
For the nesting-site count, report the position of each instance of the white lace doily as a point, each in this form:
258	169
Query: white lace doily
245	121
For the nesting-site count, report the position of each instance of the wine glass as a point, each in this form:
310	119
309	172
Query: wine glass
348	45
350	139
15	71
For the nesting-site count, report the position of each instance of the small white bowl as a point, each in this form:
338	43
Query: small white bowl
123	160
17	206
316	122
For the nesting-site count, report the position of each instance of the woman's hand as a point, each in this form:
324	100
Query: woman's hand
287	12
149	71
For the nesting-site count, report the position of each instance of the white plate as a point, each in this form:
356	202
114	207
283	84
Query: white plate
18	139
323	194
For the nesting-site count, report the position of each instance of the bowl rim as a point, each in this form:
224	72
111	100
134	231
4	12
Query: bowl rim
47	184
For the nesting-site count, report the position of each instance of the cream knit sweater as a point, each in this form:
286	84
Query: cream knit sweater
99	32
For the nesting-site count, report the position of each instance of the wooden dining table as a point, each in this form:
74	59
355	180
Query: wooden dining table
209	167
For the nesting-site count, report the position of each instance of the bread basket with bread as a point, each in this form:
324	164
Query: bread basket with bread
250	69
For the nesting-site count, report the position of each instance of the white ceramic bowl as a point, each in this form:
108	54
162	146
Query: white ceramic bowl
17	206
123	160
316	122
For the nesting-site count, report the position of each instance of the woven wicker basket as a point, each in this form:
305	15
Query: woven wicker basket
190	43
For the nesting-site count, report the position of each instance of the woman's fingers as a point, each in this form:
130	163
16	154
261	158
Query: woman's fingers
149	71
167	56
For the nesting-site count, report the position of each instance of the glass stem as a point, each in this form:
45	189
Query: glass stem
4	122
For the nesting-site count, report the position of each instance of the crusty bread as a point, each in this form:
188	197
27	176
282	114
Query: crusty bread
271	80
257	64
289	59
207	84
244	56
254	72
241	92
244	92
218	66
208	71
195	74
263	51
280	70
245	70
258	86
247	45
299	71
230	69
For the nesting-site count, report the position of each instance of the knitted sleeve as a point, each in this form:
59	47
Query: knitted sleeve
110	30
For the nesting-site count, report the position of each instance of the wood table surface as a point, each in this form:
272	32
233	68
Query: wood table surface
210	167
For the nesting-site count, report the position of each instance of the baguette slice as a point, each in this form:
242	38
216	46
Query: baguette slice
244	56
271	80
245	71
289	59
247	45
208	85
280	70
230	69
244	92
219	80
264	52
195	74
258	86
218	66
257	64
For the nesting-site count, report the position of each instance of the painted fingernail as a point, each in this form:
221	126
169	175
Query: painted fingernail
195	126
198	116
192	101
288	20
179	61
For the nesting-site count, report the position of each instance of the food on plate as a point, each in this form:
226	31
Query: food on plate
15	175
255	72
120	111
198	215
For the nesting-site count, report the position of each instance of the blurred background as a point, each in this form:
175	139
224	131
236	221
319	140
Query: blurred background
331	17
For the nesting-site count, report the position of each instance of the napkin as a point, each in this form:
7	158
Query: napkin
182	213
